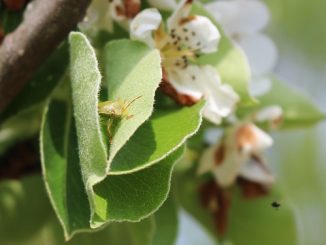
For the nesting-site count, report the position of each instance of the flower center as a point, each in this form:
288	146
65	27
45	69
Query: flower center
175	47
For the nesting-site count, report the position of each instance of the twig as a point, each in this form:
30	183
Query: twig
45	25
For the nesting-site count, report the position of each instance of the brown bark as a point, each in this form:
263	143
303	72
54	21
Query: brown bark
44	27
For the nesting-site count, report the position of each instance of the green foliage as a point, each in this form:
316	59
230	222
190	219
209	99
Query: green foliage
74	154
134	196
166	218
61	170
126	62
157	138
27	218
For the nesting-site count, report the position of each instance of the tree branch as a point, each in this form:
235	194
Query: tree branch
45	25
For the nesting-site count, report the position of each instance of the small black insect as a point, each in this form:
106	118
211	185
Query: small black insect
275	205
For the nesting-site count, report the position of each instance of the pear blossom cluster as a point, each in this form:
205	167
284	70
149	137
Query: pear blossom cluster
181	41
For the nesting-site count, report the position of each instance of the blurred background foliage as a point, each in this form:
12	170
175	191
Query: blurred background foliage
299	157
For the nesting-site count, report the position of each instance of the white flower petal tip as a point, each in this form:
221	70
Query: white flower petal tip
182	11
260	86
227	171
143	25
206	162
212	135
252	139
261	53
256	170
123	11
240	16
271	114
163	4
199	33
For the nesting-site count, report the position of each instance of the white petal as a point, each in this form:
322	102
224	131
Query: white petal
221	98
240	16
270	113
227	172
253	139
206	162
114	5
256	172
261	53
180	80
143	25
260	86
204	81
199	33
182	11
212	135
163	4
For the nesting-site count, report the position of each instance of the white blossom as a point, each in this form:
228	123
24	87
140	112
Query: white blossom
184	39
123	11
238	154
243	20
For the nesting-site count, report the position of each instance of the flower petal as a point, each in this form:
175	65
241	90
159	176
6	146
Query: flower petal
252	139
257	172
117	10
198	33
261	53
206	162
180	80
143	25
204	81
260	86
163	4
226	173
182	11
270	113
240	16
212	135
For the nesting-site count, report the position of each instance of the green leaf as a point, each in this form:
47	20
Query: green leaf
229	60
21	126
299	110
10	19
257	217
22	210
157	138
131	197
41	84
61	171
141	233
85	84
20	201
132	70
247	217
166	223
112	198
121	197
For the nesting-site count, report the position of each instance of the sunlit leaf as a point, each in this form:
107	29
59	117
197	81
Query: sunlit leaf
157	138
132	70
